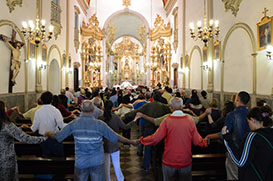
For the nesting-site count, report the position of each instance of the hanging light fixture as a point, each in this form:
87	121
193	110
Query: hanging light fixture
37	32
206	32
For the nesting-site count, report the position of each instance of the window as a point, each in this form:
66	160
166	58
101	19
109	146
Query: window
56	17
76	28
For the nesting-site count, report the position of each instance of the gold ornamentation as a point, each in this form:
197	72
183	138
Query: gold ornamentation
160	29
76	39
264	30
175	37
142	32
232	5
126	48
92	28
12	3
111	32
126	3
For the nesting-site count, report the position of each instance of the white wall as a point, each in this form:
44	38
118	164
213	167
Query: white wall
54	85
195	71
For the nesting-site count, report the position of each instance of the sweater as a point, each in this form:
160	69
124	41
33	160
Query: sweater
179	132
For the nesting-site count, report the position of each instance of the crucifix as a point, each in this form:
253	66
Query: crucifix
15	63
265	11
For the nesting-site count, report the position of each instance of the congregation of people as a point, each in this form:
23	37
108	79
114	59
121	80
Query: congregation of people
169	124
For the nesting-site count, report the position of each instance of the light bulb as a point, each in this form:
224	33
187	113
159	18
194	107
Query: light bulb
24	24
199	24
43	22
51	28
31	24
211	22
191	25
216	23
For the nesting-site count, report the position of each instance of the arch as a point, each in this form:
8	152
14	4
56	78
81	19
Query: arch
248	30
49	61
59	52
15	27
197	48
54	74
126	11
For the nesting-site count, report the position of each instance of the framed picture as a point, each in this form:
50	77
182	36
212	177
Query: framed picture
69	62
181	63
44	52
31	50
217	50
187	61
64	60
205	54
264	32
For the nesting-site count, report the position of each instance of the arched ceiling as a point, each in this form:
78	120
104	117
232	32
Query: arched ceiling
126	24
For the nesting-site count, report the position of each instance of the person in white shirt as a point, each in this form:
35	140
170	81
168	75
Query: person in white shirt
49	118
70	96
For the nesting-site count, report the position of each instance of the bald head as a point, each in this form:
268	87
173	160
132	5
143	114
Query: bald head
176	103
87	106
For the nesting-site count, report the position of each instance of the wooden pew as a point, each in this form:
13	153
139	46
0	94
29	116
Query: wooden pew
208	167
205	166
35	149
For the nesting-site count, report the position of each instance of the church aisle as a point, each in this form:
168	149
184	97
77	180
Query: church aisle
131	163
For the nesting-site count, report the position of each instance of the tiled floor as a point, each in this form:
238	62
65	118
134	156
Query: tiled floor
131	163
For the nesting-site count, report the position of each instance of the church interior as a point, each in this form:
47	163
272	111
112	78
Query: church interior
218	46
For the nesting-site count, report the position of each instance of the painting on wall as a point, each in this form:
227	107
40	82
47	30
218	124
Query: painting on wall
64	60
217	50
264	32
44	52
187	61
181	63
31	50
205	54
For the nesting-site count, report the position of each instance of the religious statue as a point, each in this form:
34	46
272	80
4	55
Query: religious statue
16	53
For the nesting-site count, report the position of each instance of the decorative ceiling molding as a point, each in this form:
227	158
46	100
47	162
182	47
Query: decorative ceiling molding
160	30
169	6
84	6
91	29
232	5
12	3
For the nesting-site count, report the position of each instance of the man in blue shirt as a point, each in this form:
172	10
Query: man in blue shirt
237	125
88	135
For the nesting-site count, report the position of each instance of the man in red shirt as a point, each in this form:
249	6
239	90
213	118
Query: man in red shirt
180	132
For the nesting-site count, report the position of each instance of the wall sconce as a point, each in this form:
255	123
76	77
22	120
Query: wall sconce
205	67
269	53
42	65
69	70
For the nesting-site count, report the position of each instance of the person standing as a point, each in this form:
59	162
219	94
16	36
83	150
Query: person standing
254	156
112	150
88	134
9	132
236	123
180	132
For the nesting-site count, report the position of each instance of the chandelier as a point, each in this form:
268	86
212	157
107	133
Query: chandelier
37	32
206	32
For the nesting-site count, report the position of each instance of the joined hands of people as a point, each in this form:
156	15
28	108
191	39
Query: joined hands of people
224	130
135	142
24	126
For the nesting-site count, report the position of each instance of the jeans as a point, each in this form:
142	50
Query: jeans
116	165
96	173
140	146
178	174
147	149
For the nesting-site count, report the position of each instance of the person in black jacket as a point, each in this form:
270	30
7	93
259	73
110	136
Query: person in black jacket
254	156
